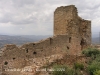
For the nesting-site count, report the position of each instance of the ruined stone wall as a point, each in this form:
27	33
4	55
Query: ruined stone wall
71	35
53	45
39	49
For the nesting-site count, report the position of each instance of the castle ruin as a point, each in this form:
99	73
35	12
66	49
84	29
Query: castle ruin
72	34
67	22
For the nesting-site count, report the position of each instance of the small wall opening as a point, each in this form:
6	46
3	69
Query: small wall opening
67	47
5	63
51	40
33	44
82	43
69	39
34	52
26	50
14	58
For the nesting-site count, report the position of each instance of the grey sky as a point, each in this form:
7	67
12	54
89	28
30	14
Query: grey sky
35	17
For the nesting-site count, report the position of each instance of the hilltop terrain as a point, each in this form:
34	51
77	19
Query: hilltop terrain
20	39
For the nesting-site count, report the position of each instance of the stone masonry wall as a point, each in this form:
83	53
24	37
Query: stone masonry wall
53	45
62	18
67	22
42	48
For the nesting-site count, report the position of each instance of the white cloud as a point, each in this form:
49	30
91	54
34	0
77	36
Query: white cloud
36	16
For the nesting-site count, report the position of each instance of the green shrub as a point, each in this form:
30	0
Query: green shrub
97	58
78	66
93	67
62	70
90	51
97	72
78	72
67	70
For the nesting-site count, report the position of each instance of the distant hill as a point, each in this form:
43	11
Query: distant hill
95	40
21	39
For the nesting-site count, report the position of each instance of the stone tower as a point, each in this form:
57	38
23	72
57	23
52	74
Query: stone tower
67	22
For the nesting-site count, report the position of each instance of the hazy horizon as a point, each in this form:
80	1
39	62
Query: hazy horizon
92	35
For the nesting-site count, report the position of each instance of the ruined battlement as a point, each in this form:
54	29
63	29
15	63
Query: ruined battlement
70	11
67	21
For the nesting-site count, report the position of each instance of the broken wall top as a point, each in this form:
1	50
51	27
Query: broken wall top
70	11
67	21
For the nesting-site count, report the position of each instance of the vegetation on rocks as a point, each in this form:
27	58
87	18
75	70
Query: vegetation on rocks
92	68
91	51
78	66
65	70
62	70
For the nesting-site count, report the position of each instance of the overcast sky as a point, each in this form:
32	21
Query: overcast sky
35	17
